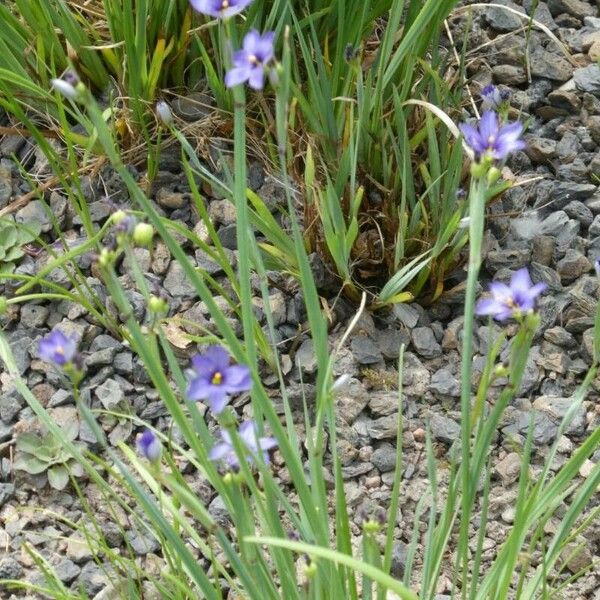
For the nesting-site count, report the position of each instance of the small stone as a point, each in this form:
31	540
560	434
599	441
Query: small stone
218	510
577	556
503	20
444	429
177	283
365	351
576	8
222	212
306	359
93	579
443	382
67	571
595	226
549	65
278	307
6	183
587	79
406	314
509	468
399	559
193	107
110	394
143	544
7	491
509	74
510	258
78	549
425	343
34	212
10	568
593	127
169	199
389	341
557	408
33	315
384	458
383	428
561	337
540	150
578	210
572	266
352	399
60	398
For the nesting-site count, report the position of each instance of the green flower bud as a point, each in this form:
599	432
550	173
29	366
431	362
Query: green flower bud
157	305
143	234
311	570
478	170
493	175
3	305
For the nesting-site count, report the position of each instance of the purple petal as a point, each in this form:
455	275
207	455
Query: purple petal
251	42
266	443
236	76
247	433
537	289
199	388
520	281
206	7
504	314
219	357
500	291
217	400
236	378
257	78
264	48
488	126
220	451
489	306
471	136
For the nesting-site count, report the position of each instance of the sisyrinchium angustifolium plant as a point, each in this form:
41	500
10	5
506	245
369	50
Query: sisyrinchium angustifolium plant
376	172
293	537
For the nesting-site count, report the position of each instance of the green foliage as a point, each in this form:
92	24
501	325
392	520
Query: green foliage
12	239
48	454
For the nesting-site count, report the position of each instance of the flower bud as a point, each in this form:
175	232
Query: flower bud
106	258
65	88
149	446
500	371
163	112
493	175
157	305
143	234
479	169
119	216
311	570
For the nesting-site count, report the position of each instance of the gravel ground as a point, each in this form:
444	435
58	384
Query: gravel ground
551	224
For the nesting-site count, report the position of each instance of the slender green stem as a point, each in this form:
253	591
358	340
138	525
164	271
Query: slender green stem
476	214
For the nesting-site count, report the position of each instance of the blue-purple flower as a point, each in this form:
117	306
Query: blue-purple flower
511	300
149	446
492	139
58	348
215	380
492	97
221	9
250	62
248	434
